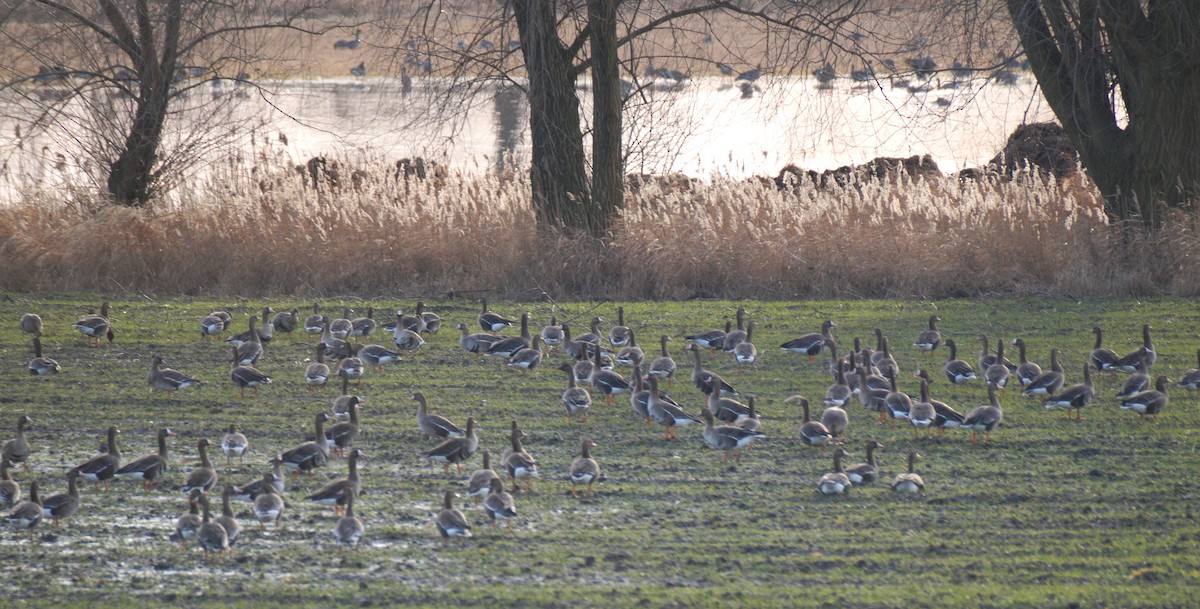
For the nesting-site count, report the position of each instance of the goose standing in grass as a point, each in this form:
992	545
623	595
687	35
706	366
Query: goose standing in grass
910	482
620	334
836	482
454	451
244	375
340	436
1074	397
574	349
414	323
728	438
26	515
317	373
251	490
897	404
811	344
341	405
364	327
997	374
203	477
285	322
263	334
315	323
167	379
945	417
489	321
725	409
308	456
340	328
922	414
519	464
701	377
749	422
349	530
31	323
928	340
957	371
10	491
102	467
213	325
41	365
227	520
432	425
189	522
1145	352
592	337
508	346
408	340
552	334
607	382
711	340
352	367
249	351
1026	370
812	433
451	522
576	400
335	348
745	353
499	503
433	322
1047	383
631	353
477	343
63	505
1149	403
1101	359
583	368
94	327
835	419
527	359
839	393
1191	378
884	361
584	469
338	492
865	473
268	506
663	366
984	419
872	395
211	536
480	483
1137	382
234	444
735	337
150	468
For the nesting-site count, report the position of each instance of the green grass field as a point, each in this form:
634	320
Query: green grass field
1054	513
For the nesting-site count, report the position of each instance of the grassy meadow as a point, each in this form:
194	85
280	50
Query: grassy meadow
1053	513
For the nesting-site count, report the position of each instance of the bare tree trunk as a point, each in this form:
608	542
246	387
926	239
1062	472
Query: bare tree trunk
607	159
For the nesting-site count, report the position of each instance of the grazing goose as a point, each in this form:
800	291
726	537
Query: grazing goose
745	353
477	343
263	334
997	374
338	492
489	321
666	413
480	483
31	323
244	375
227	520
364	327
189	522
102	467
865	473
213	324
910	482
268	506
1101	359
349	530
592	337
552	334
451	522
340	328
728	438
584	469
576	400
984	418
1074	397
897	404
711	340
922	414
94	327
10	491
249	351
735	337
284	322
335	348
340	436
725	409
454	451
620	334
928	340
309	456
317	373
432	425
251	490
234	444
884	361
315	323
812	433
1149	403
663	366
433	322
211	537
749	422
811	344
701	377
167	379
63	505
1046	383
519	464
957	371
508	346
499	504
150	468
839	393
607	382
631	353
1026	370
203	477
836	482
1137	382
527	359
1191	378
406	339
40	365
26	515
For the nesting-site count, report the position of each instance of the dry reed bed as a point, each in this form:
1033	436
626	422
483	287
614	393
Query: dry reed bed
266	232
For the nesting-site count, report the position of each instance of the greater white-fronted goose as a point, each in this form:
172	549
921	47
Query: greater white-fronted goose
364	327
268	505
477	343
984	419
711	340
1137	382
94	327
552	334
1074	397
341	405
211	537
1048	382
1101	359
234	444
986	359
835	419
928	340
479	485
352	368
922	414
41	365
835	482
607	382
317	373
619	335
631	353
405	339
1149	403
432	425
262	334
337	492
583	368
909	482
1191	378
150	468
340	436
997	374
168	379
249	351
454	451
527	359
335	348
244	376
666	413
811	344
749	422
735	337
203	477
663	366
251	490
451	522
308	456
576	350
945	417
489	321
1026	370
213	325
31	323
508	346
639	397
886	364
592	337
63	505
26	515
10	491
1151	355
102	467
519	464
499	504
349	530
227	520
897	403
315	323
840	392
340	328
285	322
745	353
413	323
873	391
725	409
584	469
865	473
701	377
576	401
812	433
727	438
957	371
1129	362
189	522
433	322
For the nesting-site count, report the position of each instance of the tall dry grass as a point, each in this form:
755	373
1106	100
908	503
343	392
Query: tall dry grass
265	231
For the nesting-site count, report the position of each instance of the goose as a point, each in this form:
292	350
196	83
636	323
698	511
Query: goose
620	334
584	469
211	537
227	520
552	334
1191	378
352	367
432	425
189	522
213	325
519	464
639	397
986	359
910	482
499	504
489	321
63	505
835	482
711	340
167	379
985	418
340	328
575	399
922	414
928	340
811	344
897	404
338	492
285	322
1129	362
663	366
1075	396
812	433
1137	382
349	530
871	395
527	359
1151	355
957	371
1101	359
315	323
26	515
31	323
477	343
264	334
40	365
234	444
865	473
835	419
150	468
340	436
405	339
725	409
453	451
1149	403
574	349
10	491
249	351
997	374
1048	382
749	422
94	327
335	348
886	364
945	417
433	322
666	413
102	467
701	377
592	337
735	337
508	346
727	438
1026	370
745	353
607	382
364	327
317	373
269	505
451	522
251	490
244	375
341	405
631	353
414	323
203	477
583	368
839	393
480	483
309	456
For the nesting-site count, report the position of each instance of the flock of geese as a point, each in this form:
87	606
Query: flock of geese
729	425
